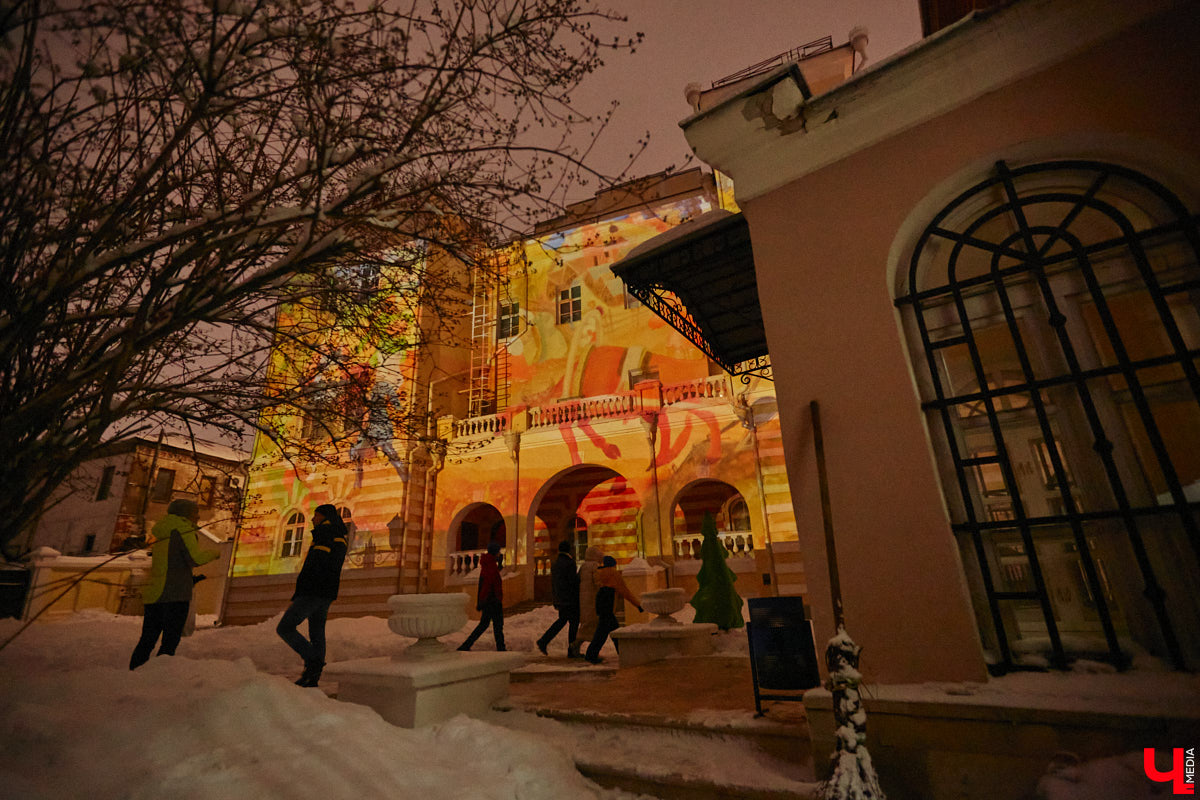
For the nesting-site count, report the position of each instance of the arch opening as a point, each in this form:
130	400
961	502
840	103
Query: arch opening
729	510
588	506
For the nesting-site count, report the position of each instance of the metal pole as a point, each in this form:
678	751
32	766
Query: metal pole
835	586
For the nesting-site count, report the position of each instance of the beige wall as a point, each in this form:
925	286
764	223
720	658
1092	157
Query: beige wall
834	234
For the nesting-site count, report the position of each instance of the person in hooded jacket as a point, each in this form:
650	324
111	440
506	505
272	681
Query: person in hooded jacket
564	580
174	552
490	600
587	594
316	589
609	584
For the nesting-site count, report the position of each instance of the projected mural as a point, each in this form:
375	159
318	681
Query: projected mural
574	414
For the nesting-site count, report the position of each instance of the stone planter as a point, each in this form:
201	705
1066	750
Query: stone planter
425	617
664	603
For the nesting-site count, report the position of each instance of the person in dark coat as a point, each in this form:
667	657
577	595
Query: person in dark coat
490	600
316	589
610	584
564	580
174	551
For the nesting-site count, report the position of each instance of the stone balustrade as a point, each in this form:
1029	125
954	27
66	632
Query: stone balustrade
740	544
585	408
608	406
461	563
714	387
490	425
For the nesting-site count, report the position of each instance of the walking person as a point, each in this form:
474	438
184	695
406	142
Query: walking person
610	583
174	551
587	595
490	599
316	589
564	580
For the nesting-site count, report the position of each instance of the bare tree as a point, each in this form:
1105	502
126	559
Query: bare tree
179	173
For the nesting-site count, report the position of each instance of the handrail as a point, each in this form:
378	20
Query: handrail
605	406
713	387
584	408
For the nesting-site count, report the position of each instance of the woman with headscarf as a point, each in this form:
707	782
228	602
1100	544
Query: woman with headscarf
316	589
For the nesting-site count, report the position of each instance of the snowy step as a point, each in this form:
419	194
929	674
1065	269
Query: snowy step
557	669
696	759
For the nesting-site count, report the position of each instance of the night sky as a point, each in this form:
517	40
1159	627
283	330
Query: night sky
704	40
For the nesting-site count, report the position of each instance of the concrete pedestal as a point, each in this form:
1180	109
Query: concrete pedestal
412	692
641	644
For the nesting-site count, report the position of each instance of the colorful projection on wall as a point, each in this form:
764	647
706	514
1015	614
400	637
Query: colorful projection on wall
611	416
605	337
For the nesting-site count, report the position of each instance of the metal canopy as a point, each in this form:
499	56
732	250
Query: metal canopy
699	277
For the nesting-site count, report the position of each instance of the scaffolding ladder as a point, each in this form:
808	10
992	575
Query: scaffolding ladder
488	388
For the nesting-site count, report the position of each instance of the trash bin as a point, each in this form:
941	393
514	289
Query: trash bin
14	585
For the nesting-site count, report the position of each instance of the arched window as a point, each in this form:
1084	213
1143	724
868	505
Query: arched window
738	514
293	536
1053	315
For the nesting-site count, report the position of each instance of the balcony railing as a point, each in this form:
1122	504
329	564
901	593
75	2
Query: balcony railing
601	406
714	387
490	425
607	406
740	544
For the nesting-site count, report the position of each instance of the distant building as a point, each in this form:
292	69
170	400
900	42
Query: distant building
112	500
126	487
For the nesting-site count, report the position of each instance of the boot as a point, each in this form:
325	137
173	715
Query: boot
312	674
573	650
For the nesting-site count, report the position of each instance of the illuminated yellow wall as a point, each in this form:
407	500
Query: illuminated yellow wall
606	467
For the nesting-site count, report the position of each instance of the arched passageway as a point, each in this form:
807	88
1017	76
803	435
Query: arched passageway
728	508
476	527
588	506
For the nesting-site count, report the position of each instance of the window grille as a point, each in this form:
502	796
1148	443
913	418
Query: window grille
1054	312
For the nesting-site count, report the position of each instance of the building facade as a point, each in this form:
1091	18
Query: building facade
1002	339
125	489
571	412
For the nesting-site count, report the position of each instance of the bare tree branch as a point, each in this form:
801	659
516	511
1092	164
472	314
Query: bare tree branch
179	176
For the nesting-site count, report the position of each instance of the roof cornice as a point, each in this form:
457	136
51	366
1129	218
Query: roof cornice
762	143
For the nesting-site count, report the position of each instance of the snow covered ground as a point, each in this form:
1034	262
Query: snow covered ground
224	720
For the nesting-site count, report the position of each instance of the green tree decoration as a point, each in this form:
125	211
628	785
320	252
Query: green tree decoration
716	600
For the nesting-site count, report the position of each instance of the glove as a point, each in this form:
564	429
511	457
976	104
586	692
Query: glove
639	609
197	578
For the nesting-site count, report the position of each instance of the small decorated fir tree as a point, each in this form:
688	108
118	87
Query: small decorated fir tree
716	600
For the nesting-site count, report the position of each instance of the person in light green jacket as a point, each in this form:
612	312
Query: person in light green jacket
174	550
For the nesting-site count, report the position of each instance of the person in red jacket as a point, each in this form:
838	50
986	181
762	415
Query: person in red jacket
491	599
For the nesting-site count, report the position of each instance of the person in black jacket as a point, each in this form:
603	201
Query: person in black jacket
564	580
316	589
